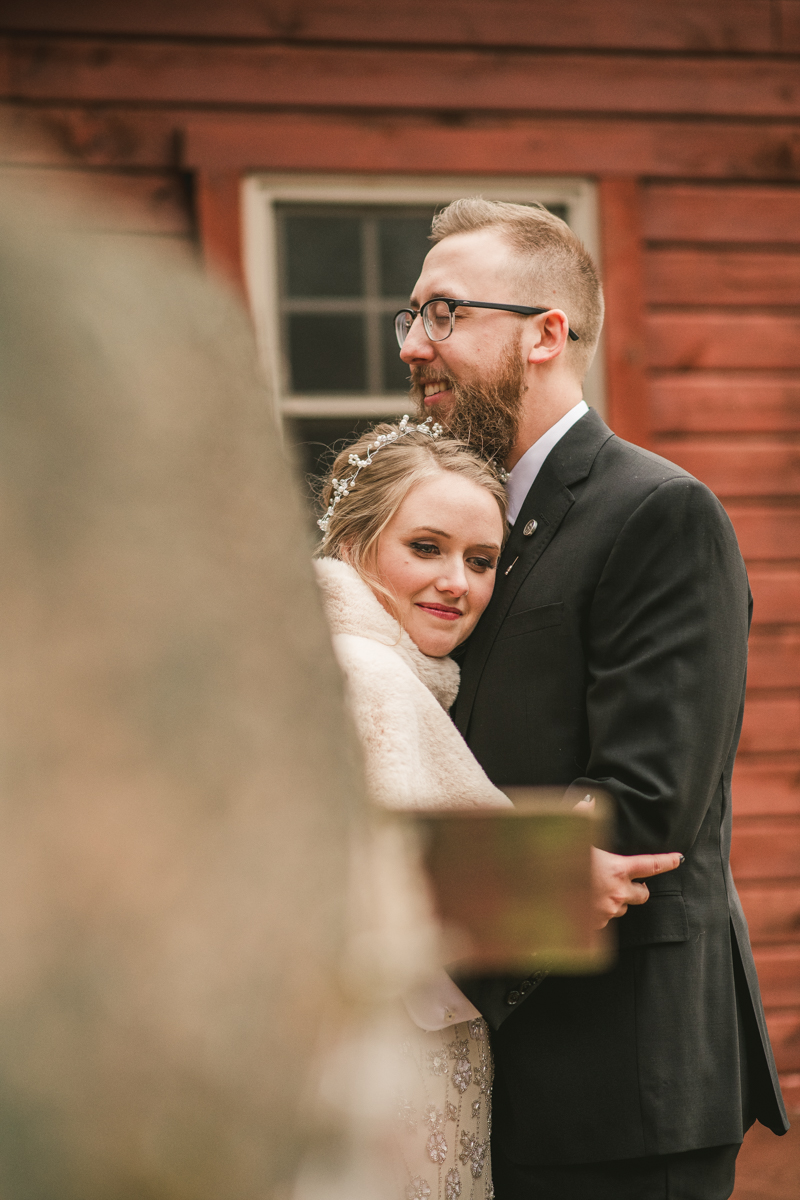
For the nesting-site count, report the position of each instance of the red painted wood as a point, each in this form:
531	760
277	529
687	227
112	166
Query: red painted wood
537	144
776	596
774	659
771	725
741	468
722	402
788	25
763	789
219	218
773	913
688	341
722	277
779	975
210	73
89	137
721	212
703	25
626	394
766	533
784	1032
767	848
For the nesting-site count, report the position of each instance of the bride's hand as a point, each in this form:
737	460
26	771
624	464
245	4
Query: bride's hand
613	877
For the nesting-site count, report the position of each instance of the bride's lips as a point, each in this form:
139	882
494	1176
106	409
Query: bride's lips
441	610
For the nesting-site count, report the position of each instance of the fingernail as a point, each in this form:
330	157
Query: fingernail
682	858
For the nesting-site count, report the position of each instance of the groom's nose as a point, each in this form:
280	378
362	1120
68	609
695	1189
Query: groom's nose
417	347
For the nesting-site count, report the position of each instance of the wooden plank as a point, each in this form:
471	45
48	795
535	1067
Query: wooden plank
723	402
722	277
788	32
747	468
721	212
766	849
713	340
153	203
626	394
776	595
773	913
771	725
486	144
46	136
774	659
220	222
766	533
314	76
763	789
779	975
784	1032
698	25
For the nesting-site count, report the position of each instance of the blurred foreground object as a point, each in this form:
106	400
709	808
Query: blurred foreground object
179	780
513	889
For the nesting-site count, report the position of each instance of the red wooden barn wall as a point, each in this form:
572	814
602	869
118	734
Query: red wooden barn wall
687	113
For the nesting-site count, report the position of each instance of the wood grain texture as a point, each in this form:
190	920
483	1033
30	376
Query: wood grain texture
779	975
220	225
773	913
774	659
776	596
746	468
697	25
356	142
771	725
90	137
766	848
722	212
714	340
712	277
766	533
725	401
626	395
346	76
763	789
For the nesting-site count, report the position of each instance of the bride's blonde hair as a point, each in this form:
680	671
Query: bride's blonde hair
360	517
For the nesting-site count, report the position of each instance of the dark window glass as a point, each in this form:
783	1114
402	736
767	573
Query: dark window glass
323	256
395	371
326	353
403	243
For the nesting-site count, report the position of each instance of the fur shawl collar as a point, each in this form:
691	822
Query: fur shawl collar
353	608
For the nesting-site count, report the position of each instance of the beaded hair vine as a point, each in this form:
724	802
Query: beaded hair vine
343	487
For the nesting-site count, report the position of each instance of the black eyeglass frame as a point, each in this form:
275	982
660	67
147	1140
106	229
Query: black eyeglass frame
452	305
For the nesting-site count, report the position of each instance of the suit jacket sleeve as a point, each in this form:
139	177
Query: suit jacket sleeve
667	652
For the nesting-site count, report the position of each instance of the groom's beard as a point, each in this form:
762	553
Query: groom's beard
483	412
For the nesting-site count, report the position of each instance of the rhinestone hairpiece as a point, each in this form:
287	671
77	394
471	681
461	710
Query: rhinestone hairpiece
343	487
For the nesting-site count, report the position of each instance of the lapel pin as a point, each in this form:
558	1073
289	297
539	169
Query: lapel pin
509	568
530	528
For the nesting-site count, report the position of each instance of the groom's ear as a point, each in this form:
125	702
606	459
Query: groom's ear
548	336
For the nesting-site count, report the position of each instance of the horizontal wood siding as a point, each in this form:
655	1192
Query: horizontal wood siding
722	285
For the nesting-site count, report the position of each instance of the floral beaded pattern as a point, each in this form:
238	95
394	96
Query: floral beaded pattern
445	1126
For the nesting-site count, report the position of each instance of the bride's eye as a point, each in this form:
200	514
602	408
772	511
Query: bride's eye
481	564
427	549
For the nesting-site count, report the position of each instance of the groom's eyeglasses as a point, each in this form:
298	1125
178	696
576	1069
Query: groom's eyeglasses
439	315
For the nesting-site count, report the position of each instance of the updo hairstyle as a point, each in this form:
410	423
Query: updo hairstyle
360	518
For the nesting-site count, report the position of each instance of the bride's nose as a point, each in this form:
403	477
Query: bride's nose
454	580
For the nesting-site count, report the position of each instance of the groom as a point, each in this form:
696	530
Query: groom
613	654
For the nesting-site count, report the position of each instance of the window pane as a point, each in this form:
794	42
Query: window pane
317	441
326	353
403	243
395	371
323	256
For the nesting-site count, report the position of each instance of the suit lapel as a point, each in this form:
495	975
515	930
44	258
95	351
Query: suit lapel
548	502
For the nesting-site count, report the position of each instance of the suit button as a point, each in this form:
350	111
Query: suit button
530	528
513	997
525	986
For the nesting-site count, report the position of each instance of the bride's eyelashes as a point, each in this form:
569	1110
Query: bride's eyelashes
426	549
482	564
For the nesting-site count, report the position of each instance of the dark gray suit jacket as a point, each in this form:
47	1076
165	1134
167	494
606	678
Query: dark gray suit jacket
614	654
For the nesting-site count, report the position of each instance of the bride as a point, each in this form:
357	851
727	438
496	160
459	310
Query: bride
413	530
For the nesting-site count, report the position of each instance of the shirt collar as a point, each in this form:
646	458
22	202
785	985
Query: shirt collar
520	479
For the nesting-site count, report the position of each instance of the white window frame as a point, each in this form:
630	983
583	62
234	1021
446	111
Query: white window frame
261	194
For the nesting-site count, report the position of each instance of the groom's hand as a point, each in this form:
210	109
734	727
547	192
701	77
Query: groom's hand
614	876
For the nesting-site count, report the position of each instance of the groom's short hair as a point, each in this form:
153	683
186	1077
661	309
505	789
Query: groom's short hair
555	267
